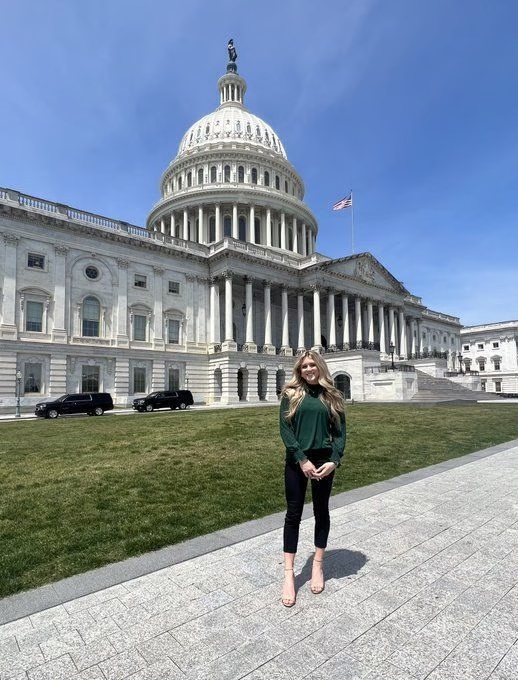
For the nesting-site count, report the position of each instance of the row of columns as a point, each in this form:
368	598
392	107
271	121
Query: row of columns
181	225
394	328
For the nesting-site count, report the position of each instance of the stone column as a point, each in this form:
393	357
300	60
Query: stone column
303	236
8	328
268	227
235	223
358	320
158	321
249	319
201	230
285	345
185	225
331	319
300	321
268	346
59	333
173	225
381	324
251	238
392	327
214	335
317	330
419	344
346	339
218	222
413	325
229	345
122	304
402	334
283	230
295	236
370	321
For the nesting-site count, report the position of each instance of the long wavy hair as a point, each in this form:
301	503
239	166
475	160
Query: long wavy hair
296	389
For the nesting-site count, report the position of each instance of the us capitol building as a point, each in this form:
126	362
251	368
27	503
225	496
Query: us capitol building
217	294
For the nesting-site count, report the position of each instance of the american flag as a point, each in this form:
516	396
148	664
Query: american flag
346	202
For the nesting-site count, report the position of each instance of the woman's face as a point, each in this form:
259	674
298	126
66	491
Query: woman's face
309	371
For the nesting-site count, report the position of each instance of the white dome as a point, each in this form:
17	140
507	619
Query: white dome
231	124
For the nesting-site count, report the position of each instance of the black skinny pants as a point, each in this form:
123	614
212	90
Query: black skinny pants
295	485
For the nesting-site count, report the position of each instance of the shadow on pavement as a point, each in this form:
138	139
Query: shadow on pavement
338	563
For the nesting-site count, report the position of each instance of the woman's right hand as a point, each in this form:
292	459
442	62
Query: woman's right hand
308	469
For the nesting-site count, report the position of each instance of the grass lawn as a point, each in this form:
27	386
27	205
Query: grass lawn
79	493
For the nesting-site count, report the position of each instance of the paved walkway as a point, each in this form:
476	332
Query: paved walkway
422	582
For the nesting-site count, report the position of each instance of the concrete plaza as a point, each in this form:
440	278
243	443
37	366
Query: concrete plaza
421	582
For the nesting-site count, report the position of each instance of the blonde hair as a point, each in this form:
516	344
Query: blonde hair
296	389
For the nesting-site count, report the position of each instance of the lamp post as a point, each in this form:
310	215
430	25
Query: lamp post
18	390
460	363
391	352
186	382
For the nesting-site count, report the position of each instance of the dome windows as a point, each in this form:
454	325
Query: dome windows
241	174
179	182
200	176
254	175
189	179
277	182
213	173
226	173
266	178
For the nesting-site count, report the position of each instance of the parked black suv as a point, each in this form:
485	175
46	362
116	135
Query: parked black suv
179	399
93	403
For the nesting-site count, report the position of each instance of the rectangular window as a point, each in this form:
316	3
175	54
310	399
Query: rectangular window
174	287
139	327
173	332
174	379
90	379
34	316
465	347
496	363
140	281
139	379
498	385
480	345
32	378
496	345
483	385
36	261
482	366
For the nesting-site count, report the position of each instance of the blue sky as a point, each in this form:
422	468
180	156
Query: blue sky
412	104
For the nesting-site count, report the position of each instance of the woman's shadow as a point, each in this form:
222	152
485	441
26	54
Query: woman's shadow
337	564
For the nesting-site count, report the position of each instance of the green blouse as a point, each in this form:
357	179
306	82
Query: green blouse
311	428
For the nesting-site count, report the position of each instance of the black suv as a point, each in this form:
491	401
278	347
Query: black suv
93	403
179	399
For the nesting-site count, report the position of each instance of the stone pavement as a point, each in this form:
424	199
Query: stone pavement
422	582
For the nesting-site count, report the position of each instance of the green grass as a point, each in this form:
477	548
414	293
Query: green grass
79	493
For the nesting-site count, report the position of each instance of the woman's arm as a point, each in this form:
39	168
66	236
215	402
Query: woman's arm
288	436
339	438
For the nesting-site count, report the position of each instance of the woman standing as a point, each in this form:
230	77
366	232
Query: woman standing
312	427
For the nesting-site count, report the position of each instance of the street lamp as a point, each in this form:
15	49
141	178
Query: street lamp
186	382
18	390
460	362
392	349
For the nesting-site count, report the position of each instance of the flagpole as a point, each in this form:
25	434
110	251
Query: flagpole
352	223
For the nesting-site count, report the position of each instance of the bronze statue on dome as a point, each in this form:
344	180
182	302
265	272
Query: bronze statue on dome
232	54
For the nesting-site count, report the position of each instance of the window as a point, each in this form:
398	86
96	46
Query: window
90	379
140	281
34	317
92	272
212	229
189	179
480	345
36	261
139	327
496	364
139	379
174	287
174	379
91	318
496	345
200	176
286	186
277	182
257	230
242	229
465	348
483	385
266	178
226	173
179	183
482	365
254	175
31	378
213	173
227	226
173	332
241	174
498	385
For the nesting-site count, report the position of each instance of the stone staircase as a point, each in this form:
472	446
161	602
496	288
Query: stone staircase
441	389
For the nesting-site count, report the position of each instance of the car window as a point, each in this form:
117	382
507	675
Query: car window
83	397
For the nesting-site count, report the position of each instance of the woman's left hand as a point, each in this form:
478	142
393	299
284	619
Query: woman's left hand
324	470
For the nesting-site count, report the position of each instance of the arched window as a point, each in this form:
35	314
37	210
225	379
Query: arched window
212	229
241	174
200	176
257	230
254	175
213	173
179	182
189	179
227	225
277	182
266	178
91	317
286	185
242	228
226	173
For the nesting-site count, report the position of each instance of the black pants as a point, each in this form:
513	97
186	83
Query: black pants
295	485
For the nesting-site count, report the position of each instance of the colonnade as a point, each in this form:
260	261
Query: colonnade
250	223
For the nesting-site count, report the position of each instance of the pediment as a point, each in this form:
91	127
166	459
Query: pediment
366	268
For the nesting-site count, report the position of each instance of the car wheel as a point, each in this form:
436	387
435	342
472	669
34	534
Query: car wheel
98	411
52	413
183	406
149	407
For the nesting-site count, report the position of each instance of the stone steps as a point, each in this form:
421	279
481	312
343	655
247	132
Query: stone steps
441	389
